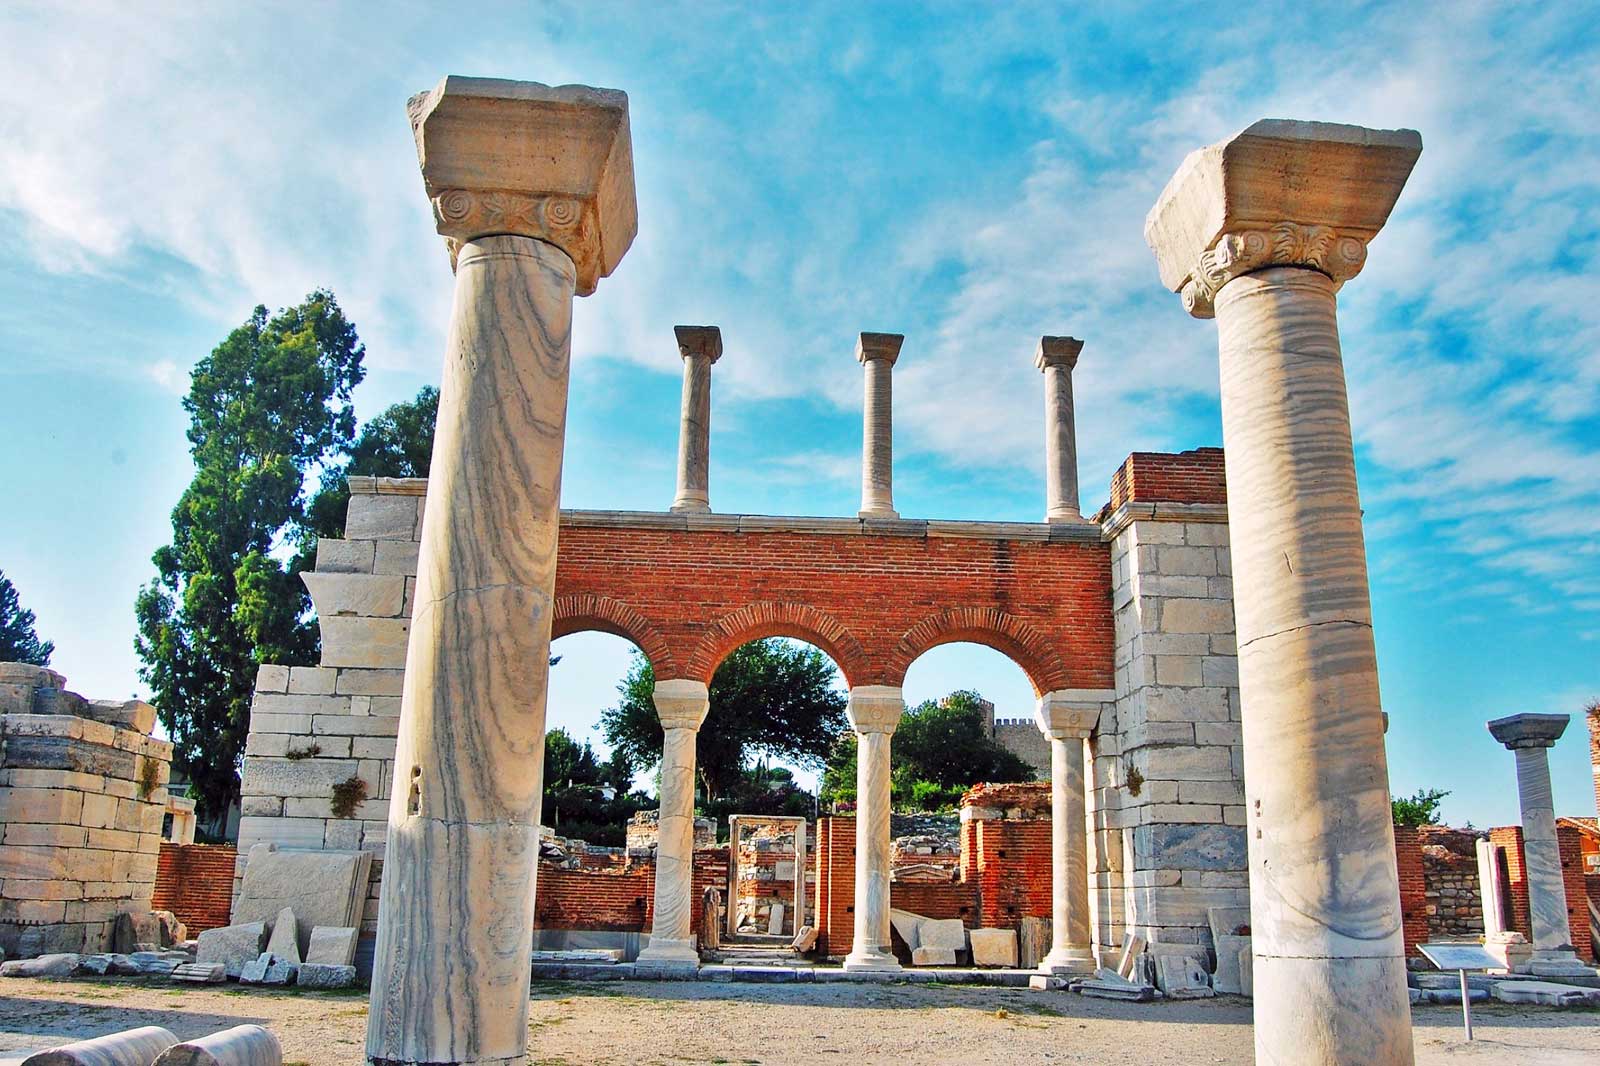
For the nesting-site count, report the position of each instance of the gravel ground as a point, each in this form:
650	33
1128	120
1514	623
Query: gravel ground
649	1023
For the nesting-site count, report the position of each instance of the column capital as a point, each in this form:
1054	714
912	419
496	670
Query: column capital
1529	730
1057	351
699	340
1070	712
884	346
682	704
875	708
530	160
1280	193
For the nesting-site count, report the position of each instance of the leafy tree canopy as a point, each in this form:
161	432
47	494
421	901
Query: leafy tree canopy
769	698
940	749
1420	808
397	443
267	406
585	797
18	642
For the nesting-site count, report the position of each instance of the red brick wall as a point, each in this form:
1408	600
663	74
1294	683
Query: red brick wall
1155	477
873	603
1013	871
1570	842
836	885
195	882
934	900
621	898
1413	887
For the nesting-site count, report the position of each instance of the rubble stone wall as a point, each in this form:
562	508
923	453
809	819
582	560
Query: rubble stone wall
1450	872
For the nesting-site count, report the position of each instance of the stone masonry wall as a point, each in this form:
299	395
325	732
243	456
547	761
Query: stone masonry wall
1450	872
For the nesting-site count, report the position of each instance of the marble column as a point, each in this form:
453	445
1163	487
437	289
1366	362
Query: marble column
877	352
1057	356
532	187
1067	717
1529	737
874	712
681	706
701	347
1260	231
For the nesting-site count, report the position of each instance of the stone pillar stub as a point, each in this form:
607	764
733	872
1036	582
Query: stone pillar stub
700	347
517	157
533	189
1056	357
1259	231
877	353
874	712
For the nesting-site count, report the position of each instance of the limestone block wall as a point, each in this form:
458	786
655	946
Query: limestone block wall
82	795
1021	737
1167	794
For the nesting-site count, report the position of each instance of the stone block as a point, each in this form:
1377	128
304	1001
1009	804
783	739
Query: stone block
375	643
284	941
1189	847
1544	993
993	947
942	933
310	778
929	956
1196	616
369	595
332	945
1182	977
285	832
370	682
231	946
396	557
378	517
272	678
61	964
1183	763
325	975
326	888
135	928
344	556
312	680
1228	978
136	715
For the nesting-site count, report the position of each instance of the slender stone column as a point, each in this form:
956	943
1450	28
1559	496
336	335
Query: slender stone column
874	712
1260	230
682	707
1529	737
1067	717
878	352
533	189
700	346
1057	356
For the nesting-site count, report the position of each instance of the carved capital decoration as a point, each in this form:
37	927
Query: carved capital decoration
461	215
1244	251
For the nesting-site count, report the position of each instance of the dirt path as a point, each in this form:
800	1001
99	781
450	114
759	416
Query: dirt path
779	1025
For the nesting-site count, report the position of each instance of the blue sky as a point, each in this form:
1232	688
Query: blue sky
970	175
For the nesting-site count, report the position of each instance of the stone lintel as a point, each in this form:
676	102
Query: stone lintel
1280	193
515	157
1071	712
362	485
1138	511
681	703
884	346
1057	351
1529	730
875	708
699	340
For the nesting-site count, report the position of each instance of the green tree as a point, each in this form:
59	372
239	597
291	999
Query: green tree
585	797
771	698
1420	808
18	642
268	405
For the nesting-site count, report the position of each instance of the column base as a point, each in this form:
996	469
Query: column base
667	958
1068	960
893	515
871	960
1071	518
690	507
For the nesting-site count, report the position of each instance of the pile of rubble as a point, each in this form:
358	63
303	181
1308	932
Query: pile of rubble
925	848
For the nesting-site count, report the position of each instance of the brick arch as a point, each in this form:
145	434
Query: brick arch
1007	634
584	612
797	620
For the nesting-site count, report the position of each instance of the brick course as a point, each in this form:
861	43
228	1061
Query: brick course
195	882
1570	842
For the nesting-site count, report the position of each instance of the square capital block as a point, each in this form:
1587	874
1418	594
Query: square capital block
1529	730
884	346
1069	713
1280	193
530	160
682	704
699	340
875	708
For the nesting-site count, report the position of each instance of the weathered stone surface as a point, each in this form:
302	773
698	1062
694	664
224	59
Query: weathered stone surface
136	715
243	1045
325	975
874	711
332	945
57	965
284	941
133	1047
1182	977
200	973
232	945
993	947
681	706
374	595
1190	847
135	928
1227	978
931	956
320	887
1545	993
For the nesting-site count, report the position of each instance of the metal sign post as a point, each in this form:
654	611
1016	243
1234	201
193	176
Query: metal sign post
1461	958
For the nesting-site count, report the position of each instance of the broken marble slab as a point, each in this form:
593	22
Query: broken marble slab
61	964
231	945
324	975
1546	993
200	973
926	955
333	945
1183	977
285	939
1229	949
321	887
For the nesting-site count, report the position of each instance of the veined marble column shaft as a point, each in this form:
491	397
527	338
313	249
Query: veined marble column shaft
682	707
877	352
451	970
874	712
1057	356
1067	718
1260	230
701	347
1530	737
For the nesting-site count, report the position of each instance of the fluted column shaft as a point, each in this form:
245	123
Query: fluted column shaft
451	970
874	712
877	352
681	706
1541	853
1330	972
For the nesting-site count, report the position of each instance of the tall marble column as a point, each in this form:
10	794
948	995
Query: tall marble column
701	347
1067	717
874	712
681	706
1057	356
1261	230
877	352
1530	737
532	188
